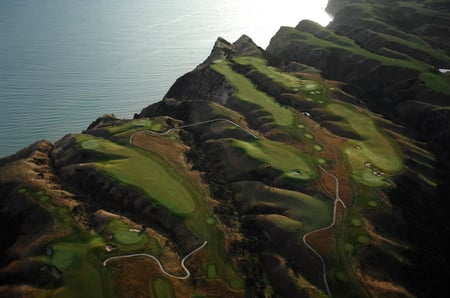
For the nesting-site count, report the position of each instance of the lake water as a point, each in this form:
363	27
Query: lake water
63	63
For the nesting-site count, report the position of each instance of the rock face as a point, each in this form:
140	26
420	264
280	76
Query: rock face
317	167
388	52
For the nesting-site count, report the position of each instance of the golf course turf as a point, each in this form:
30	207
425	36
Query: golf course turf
374	157
246	91
146	171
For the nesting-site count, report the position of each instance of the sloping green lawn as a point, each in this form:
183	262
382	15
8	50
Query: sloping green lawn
144	170
375	148
246	91
284	158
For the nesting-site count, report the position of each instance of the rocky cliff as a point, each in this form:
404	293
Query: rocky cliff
315	168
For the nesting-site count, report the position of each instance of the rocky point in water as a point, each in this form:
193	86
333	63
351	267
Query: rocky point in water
316	167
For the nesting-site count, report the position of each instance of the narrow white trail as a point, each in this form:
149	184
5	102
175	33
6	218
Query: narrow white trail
196	124
336	201
188	273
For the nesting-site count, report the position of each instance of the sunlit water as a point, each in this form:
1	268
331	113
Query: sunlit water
64	63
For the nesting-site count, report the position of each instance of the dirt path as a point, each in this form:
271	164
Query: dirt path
336	201
188	273
196	124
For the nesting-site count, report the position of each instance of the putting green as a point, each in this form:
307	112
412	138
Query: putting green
280	156
211	220
128	237
363	239
321	160
309	136
211	271
237	284
246	91
318	147
309	85
356	222
373	203
62	258
162	288
146	171
348	247
342	276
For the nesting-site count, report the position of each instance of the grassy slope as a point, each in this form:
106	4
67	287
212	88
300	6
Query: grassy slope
139	124
146	171
433	80
247	92
81	278
375	147
282	157
303	212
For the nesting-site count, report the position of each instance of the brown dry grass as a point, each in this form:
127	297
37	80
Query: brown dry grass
331	145
36	173
377	286
134	276
23	291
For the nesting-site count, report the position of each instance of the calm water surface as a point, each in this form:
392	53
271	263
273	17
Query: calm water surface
64	63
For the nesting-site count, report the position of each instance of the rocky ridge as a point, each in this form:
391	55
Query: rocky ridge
261	143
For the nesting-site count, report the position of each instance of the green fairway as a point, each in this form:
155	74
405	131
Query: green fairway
433	80
275	74
138	124
281	157
372	157
283	222
302	210
246	91
144	170
80	278
149	172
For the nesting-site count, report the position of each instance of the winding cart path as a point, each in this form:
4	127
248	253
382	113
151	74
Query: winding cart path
188	273
197	124
305	241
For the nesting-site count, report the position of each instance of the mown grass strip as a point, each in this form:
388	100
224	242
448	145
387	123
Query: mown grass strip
428	75
144	170
247	92
284	79
279	156
312	212
372	157
80	278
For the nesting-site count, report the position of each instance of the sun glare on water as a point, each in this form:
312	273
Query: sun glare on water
261	19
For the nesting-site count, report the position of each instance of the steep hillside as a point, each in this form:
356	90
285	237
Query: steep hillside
390	54
315	168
